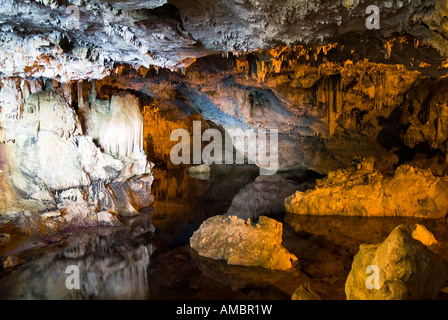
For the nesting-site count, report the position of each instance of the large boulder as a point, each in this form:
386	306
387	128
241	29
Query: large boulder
240	243
363	191
406	269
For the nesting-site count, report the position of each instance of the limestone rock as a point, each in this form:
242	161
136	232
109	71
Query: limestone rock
240	243
203	168
4	238
82	39
304	292
12	261
422	234
106	218
262	197
52	163
363	191
408	270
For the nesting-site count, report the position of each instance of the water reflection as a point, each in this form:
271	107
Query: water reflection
148	257
112	262
266	195
182	202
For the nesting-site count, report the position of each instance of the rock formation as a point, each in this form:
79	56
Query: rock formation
240	243
408	270
363	191
52	163
90	92
264	197
304	292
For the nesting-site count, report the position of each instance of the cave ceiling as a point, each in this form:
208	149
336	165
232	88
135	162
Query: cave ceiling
86	39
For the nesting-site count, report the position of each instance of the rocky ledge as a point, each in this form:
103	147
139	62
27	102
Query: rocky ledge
361	190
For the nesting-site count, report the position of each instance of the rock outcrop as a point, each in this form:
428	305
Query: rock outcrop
240	243
82	39
363	191
263	197
51	162
305	292
407	269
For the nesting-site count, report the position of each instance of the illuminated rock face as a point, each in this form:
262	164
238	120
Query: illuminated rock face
50	164
327	106
363	191
83	39
407	269
240	243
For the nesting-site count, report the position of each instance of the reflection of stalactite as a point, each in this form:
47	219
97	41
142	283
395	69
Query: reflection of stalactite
113	264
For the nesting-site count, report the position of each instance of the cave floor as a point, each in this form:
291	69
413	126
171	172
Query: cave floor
149	257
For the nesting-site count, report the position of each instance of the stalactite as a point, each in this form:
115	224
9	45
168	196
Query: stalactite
121	133
80	97
329	93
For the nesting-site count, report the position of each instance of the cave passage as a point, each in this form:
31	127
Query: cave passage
224	149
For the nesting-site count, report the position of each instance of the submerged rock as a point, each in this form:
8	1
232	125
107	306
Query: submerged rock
406	269
241	243
264	197
363	191
304	292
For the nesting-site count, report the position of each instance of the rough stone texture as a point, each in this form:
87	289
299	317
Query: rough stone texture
174	33
51	163
264	197
106	218
328	106
304	292
240	243
11	261
203	168
363	191
408	269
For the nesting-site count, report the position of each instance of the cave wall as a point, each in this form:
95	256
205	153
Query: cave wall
328	110
52	163
84	106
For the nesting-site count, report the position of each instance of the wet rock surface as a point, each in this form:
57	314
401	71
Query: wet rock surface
90	92
304	292
408	270
240	243
363	191
82	39
52	163
263	196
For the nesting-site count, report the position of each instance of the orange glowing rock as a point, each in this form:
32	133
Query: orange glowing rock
422	234
399	268
363	191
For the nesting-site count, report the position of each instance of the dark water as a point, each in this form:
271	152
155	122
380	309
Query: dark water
148	257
